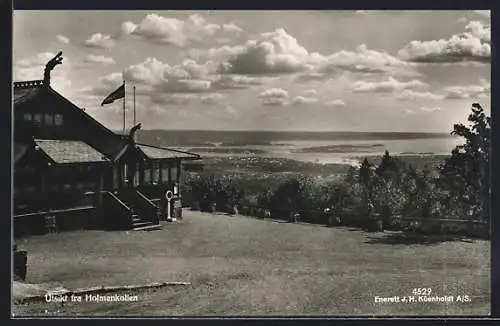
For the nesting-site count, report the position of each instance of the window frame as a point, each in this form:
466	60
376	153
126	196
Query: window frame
48	119
36	121
28	116
58	119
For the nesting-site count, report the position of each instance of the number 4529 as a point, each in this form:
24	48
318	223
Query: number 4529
421	291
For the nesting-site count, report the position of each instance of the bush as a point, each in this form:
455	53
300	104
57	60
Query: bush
208	190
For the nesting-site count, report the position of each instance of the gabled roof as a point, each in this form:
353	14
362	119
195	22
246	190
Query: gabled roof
69	151
100	137
155	152
25	91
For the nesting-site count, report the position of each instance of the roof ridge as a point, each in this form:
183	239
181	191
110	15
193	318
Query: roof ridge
29	84
169	149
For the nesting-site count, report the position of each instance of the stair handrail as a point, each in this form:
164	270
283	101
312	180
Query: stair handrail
147	206
125	206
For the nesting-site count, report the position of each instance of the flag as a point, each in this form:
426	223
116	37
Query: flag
117	94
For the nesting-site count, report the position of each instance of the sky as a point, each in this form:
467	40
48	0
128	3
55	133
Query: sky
416	71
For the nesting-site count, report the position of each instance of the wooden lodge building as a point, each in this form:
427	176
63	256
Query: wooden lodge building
72	172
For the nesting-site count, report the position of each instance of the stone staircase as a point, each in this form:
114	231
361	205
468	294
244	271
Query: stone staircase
140	224
141	221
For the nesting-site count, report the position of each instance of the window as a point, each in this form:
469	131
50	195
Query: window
147	175
137	175
28	117
58	119
164	173
173	174
49	119
80	186
37	118
156	173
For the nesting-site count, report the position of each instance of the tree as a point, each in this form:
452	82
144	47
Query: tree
365	172
465	176
389	167
292	194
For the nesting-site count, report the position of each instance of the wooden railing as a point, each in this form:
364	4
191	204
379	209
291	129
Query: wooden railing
145	207
115	212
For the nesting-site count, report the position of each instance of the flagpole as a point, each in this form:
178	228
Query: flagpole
134	112
124	107
134	107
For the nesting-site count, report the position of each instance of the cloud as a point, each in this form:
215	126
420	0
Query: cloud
310	92
32	67
155	72
172	99
185	86
111	80
222	52
274	97
230	110
310	77
62	39
100	41
338	103
172	31
367	12
364	60
222	40
156	78
274	52
274	102
212	99
187	77
429	109
386	86
410	95
298	100
94	91
471	45
469	91
98	59
37	61
278	52
232	28
484	13
128	27
274	93
238	81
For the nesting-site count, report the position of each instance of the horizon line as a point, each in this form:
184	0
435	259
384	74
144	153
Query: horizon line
298	130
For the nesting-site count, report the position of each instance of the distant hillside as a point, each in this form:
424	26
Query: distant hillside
239	138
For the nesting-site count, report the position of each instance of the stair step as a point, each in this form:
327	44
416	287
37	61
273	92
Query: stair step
136	219
141	224
151	227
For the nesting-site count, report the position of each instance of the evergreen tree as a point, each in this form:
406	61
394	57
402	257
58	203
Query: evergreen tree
465	176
